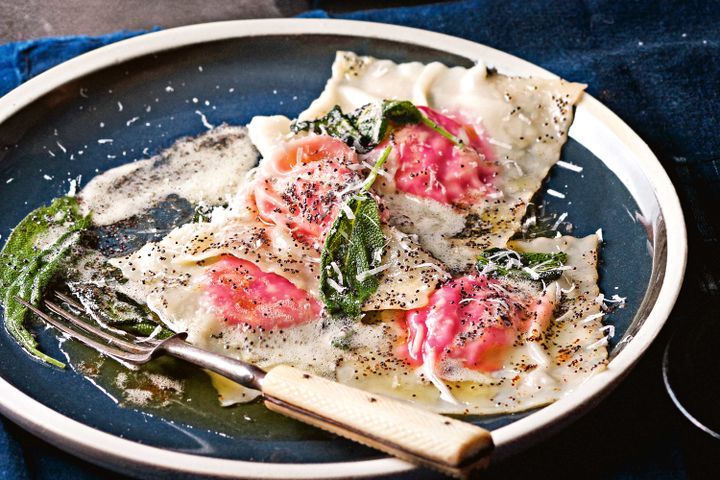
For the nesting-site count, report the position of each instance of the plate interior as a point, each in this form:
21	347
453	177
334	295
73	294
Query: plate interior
144	105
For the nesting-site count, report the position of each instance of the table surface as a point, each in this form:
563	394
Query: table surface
41	18
621	438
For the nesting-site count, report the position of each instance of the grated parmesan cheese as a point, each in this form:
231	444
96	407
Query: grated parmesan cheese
610	329
430	265
348	212
497	143
363	275
555	193
152	335
592	317
435	380
335	267
600	343
339	288
533	274
381	171
204	120
559	220
616	299
569	166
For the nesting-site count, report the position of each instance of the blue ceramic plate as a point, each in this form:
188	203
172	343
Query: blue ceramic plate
231	71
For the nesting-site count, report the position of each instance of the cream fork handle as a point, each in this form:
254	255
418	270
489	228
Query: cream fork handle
394	427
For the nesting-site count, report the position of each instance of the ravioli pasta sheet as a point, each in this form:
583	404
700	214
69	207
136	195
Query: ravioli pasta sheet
524	123
538	372
184	253
414	339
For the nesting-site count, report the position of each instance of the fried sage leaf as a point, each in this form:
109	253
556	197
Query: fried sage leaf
26	267
366	127
114	309
352	252
531	265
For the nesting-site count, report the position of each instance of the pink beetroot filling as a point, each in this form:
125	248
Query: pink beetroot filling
301	193
475	319
431	166
243	294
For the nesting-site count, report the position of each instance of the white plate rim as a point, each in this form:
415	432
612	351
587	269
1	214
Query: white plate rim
129	456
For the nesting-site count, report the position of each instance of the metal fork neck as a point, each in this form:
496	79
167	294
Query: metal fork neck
238	371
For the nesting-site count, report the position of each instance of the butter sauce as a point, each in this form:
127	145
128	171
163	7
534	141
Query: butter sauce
205	170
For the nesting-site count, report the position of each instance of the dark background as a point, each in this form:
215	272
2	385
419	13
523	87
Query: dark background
26	19
648	438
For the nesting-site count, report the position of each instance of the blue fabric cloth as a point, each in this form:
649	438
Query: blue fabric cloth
20	61
657	65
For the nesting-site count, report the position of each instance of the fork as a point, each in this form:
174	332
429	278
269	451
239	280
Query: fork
397	428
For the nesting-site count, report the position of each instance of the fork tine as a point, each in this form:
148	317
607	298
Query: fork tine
70	301
100	347
96	331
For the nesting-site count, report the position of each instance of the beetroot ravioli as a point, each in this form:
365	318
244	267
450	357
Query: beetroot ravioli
372	244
